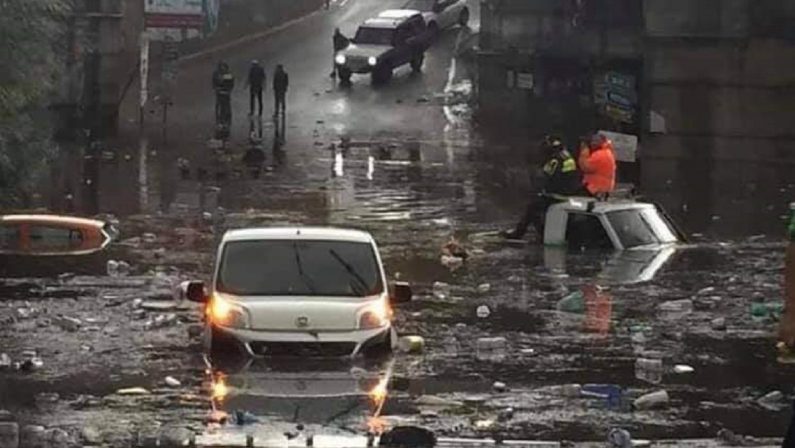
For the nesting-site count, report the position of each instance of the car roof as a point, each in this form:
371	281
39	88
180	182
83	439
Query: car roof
298	233
582	204
391	18
52	219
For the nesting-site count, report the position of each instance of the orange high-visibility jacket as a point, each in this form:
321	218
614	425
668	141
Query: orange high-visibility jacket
599	169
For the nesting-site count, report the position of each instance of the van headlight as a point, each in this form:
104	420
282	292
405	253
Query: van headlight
376	316
340	59
372	60
224	313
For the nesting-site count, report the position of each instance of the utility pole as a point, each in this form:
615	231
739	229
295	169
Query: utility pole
144	75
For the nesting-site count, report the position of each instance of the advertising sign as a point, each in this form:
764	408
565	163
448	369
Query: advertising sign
174	13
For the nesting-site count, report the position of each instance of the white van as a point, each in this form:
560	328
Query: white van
299	292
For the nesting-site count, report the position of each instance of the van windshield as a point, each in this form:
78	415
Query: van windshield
299	268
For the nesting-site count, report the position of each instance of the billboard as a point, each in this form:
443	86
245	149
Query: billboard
174	13
181	19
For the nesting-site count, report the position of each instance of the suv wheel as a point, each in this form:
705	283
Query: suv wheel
345	75
416	63
463	18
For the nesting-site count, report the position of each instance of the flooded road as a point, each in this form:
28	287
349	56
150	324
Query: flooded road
575	337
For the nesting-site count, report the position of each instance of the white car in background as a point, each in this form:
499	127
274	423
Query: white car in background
441	14
299	292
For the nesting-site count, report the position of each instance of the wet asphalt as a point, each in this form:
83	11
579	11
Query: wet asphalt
417	171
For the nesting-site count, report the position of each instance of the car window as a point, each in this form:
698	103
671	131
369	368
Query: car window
51	237
374	36
9	237
586	231
631	228
306	268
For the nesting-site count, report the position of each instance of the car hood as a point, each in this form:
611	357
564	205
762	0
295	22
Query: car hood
365	50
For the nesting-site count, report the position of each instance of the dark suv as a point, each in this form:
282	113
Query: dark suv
394	38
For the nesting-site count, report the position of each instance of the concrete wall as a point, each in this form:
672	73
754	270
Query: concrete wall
239	18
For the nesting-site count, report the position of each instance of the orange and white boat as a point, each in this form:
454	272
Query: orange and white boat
51	235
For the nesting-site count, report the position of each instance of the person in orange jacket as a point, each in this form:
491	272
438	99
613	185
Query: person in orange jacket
597	163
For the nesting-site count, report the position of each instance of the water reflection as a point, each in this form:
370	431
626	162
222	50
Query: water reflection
621	267
298	397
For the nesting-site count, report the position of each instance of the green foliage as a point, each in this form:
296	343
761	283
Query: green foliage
30	55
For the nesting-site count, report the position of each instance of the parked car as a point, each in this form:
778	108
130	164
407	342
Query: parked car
52	235
441	14
384	43
299	292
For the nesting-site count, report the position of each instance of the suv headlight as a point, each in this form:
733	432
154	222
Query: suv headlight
372	60
376	316
340	59
224	313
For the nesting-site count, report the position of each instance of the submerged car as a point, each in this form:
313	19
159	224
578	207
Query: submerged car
53	235
441	14
384	43
615	224
299	292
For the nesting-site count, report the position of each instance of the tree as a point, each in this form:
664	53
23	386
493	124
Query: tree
31	55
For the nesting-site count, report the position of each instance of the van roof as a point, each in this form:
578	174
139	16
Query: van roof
582	204
298	233
52	219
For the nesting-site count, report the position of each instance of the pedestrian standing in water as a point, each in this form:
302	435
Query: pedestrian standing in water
256	79
281	82
339	43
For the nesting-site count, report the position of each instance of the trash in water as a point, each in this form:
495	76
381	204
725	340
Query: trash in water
681	369
572	303
773	401
653	400
767	311
483	311
172	382
241	418
611	393
566	390
649	370
67	323
112	268
499	387
675	309
5	361
441	290
133	391
451	262
411	344
491	349
484	288
619	438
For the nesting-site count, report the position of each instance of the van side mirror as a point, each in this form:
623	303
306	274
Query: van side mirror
196	293
401	293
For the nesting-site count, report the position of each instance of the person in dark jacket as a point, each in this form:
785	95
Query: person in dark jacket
559	178
256	79
281	82
339	42
223	84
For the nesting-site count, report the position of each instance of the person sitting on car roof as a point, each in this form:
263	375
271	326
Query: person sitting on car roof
559	179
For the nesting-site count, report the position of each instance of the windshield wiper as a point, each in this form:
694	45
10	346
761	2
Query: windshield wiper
304	277
362	287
